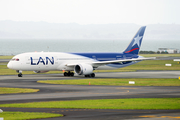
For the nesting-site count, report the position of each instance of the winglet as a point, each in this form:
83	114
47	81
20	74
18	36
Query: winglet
135	44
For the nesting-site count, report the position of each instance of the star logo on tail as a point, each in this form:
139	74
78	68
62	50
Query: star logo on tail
137	40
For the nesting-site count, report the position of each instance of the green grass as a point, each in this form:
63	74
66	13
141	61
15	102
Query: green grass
6	71
119	81
4	90
147	65
134	103
6	57
160	55
27	115
154	65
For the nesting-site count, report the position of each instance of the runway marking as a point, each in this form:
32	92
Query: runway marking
75	110
111	93
154	116
127	88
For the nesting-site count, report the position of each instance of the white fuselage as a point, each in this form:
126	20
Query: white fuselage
47	61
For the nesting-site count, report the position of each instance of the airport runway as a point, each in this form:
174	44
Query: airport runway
78	92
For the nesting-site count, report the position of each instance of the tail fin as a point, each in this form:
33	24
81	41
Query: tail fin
135	44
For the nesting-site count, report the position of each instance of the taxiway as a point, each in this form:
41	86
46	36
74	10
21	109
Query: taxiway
50	92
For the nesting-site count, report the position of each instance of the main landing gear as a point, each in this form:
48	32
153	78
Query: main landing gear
91	75
69	73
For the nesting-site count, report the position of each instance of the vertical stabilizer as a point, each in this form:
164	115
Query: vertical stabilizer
135	44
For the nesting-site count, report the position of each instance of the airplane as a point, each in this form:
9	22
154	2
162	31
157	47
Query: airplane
79	63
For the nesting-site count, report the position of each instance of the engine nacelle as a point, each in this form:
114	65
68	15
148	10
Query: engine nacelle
83	69
40	71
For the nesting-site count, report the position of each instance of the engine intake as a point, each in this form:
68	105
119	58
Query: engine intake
83	69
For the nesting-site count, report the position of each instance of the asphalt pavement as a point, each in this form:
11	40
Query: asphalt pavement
50	92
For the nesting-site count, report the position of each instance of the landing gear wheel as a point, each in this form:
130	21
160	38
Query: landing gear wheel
20	75
68	73
92	75
87	75
65	74
72	74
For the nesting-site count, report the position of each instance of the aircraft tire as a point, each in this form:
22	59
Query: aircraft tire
20	75
69	73
72	74
92	75
87	75
65	74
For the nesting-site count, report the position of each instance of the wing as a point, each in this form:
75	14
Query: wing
100	63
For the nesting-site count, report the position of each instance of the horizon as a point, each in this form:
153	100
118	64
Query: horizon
124	31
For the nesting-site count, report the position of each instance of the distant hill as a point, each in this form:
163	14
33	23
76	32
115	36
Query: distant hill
44	30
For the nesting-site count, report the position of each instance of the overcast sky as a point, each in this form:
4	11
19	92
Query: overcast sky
140	12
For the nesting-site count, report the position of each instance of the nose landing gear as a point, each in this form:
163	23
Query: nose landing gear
20	73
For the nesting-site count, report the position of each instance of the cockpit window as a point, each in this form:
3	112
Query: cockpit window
15	59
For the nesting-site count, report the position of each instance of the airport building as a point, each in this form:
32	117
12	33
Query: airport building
169	50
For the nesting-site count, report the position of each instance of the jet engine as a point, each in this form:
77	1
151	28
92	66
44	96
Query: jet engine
83	69
40	71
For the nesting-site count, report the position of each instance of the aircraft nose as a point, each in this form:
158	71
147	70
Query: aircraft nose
10	65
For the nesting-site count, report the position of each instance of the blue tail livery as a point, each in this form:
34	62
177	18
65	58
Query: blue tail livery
135	44
78	63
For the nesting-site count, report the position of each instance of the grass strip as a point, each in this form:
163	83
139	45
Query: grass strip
6	57
27	115
160	55
143	65
134	103
4	90
118	81
154	65
6	71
